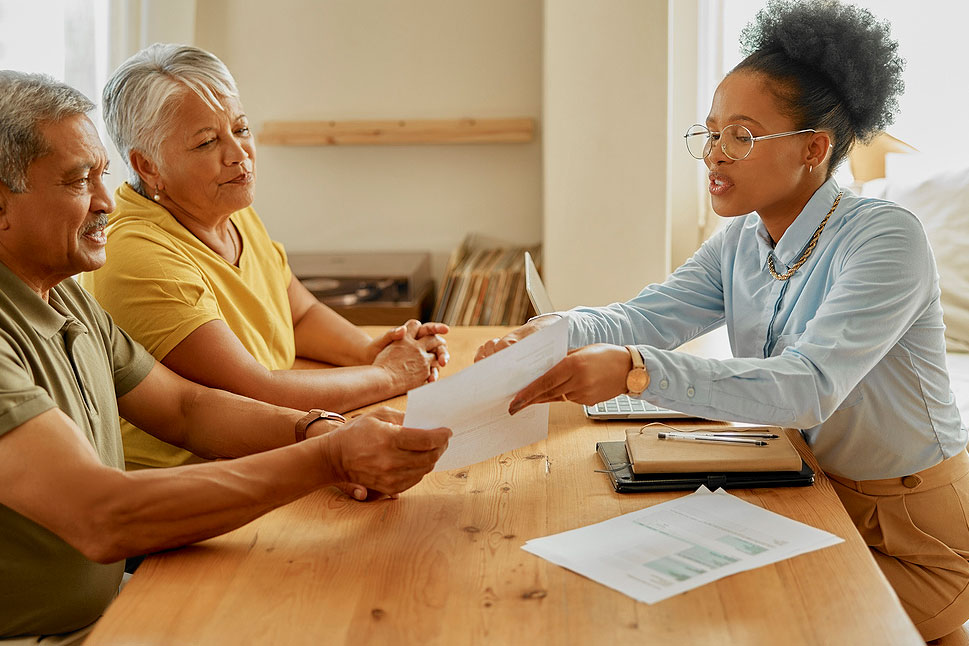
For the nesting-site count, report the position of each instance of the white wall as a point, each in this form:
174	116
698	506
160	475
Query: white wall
605	128
373	59
686	189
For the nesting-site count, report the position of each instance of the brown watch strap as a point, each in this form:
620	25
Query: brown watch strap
316	415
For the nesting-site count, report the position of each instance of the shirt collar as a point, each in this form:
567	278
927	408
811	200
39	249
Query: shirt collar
797	236
44	318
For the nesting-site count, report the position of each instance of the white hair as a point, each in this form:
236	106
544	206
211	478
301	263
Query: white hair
140	96
27	101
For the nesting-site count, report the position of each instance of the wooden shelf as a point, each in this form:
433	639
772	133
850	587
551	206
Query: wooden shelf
399	132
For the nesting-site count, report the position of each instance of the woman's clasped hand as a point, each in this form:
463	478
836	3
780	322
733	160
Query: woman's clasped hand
412	353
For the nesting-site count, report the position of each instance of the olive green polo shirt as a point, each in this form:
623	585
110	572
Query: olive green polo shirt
67	354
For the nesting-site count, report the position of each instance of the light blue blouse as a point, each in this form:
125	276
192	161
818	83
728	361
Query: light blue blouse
850	349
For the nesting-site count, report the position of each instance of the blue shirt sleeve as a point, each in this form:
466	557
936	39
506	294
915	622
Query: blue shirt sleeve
688	304
875	286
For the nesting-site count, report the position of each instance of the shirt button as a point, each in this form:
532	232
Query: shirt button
664	384
910	482
690	392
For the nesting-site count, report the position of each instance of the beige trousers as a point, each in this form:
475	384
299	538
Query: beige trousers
918	530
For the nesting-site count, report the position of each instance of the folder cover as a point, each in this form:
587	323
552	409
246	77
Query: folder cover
617	467
650	454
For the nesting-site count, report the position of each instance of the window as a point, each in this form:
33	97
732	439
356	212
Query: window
67	39
930	35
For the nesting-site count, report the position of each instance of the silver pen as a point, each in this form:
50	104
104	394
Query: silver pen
710	438
765	436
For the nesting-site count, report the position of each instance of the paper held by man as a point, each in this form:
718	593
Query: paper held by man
474	402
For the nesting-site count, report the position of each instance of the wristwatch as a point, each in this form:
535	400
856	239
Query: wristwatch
316	415
637	379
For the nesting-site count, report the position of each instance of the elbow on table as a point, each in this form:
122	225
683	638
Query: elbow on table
102	543
107	532
103	553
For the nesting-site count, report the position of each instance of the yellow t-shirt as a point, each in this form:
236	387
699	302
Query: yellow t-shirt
160	283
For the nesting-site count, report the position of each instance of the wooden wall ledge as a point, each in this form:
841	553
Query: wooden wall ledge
399	132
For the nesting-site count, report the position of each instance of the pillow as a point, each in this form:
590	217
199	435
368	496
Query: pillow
938	194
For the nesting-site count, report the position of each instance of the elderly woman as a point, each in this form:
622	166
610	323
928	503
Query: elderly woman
193	275
831	302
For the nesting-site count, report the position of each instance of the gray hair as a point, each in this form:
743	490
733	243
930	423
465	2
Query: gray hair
26	102
139	97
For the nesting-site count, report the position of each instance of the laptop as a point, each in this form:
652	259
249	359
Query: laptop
621	407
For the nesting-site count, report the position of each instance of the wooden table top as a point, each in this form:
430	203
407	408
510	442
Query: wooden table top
443	564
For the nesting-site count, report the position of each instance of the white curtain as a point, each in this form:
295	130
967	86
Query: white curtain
133	25
711	65
138	23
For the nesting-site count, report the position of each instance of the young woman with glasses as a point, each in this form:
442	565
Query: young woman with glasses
831	303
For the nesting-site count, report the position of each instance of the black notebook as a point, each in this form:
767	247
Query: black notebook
617	463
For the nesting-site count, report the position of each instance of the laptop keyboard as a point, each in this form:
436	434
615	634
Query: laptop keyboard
625	404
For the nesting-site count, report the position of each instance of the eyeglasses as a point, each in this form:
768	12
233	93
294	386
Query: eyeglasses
736	141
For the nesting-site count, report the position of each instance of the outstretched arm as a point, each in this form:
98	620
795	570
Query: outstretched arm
323	335
687	304
212	355
50	473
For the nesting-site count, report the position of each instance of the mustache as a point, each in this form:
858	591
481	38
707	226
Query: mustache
99	223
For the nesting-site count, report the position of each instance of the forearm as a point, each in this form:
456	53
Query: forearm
323	335
152	510
336	389
687	304
215	423
649	319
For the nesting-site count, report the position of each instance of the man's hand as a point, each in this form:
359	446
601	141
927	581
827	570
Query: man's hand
355	491
587	375
491	346
376	452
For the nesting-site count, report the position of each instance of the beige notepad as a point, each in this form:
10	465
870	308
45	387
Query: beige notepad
649	454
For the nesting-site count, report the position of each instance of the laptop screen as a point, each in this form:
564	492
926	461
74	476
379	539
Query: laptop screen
535	288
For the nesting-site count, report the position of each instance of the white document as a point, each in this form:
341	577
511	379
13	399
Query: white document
474	402
658	552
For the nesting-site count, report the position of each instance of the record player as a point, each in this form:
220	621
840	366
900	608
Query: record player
369	288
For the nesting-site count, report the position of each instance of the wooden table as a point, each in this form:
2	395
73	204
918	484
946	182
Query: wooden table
444	565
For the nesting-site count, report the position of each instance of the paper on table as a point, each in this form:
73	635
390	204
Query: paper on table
474	402
658	552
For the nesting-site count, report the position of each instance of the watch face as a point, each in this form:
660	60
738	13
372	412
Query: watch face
636	381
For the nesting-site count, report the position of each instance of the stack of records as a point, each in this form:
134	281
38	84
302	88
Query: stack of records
484	284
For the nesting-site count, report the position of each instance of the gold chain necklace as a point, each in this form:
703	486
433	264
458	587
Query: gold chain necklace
807	252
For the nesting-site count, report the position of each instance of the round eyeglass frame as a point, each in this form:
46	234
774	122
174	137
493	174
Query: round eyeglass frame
698	129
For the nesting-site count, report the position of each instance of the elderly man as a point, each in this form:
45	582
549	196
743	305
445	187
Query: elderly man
68	513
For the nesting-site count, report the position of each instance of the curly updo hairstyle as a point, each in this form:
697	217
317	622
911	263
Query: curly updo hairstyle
836	68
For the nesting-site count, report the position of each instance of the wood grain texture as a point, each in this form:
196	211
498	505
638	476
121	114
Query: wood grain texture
443	564
396	132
